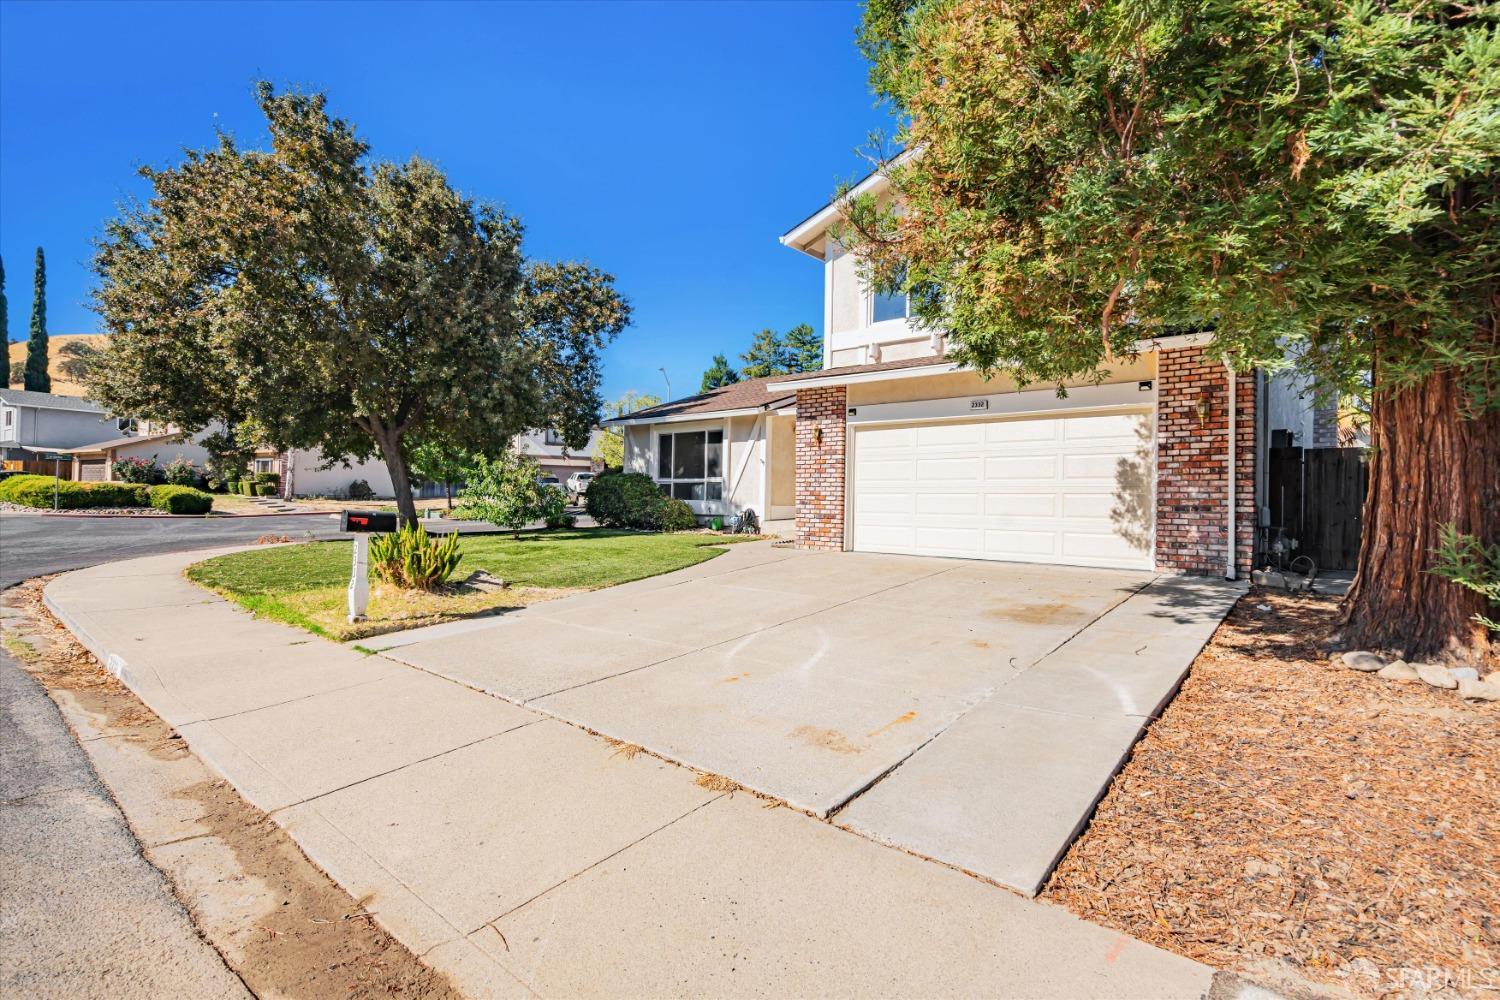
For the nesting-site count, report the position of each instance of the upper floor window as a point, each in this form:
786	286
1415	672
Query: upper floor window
10	417
885	306
553	437
127	425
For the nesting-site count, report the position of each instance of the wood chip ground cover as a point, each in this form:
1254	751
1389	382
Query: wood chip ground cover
1287	813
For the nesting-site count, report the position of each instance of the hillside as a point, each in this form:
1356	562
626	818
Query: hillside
60	384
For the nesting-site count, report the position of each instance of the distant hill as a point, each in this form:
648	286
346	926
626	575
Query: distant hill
60	385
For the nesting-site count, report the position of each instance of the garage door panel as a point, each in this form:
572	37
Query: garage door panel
1066	489
1012	468
965	436
1023	545
949	503
1020	504
965	470
948	540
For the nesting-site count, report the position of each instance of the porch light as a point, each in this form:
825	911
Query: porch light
1203	406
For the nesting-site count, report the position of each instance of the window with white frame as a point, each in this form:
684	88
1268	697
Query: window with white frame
553	438
690	464
263	464
10	417
887	305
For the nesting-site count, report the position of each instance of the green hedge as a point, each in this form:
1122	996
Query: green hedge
633	500
181	500
37	491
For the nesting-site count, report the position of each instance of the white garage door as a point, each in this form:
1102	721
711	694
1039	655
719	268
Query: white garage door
1073	490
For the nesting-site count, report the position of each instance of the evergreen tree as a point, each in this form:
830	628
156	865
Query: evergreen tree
719	374
767	356
37	379
805	348
5	322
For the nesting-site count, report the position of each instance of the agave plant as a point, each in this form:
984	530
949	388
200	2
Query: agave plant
413	559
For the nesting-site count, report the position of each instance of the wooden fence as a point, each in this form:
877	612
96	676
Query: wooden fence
39	467
1317	496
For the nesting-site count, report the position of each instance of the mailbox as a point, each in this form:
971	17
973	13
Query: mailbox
367	521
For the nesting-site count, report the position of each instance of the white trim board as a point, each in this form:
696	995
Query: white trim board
1006	404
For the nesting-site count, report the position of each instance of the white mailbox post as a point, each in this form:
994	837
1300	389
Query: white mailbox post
362	524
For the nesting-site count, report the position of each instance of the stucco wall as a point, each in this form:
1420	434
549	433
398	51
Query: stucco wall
308	479
842	274
783	462
903	390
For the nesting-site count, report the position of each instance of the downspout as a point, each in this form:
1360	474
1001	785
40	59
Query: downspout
1229	571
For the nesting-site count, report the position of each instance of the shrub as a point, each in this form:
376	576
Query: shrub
265	489
247	487
633	500
413	559
504	492
360	490
180	499
37	491
136	470
274	478
180	472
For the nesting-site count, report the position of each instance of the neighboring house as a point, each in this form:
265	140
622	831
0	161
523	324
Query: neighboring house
94	463
894	448
32	422
547	449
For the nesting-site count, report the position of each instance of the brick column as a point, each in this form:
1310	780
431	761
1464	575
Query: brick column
1192	482
821	436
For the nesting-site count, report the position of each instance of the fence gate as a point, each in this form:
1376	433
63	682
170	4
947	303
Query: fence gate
1317	495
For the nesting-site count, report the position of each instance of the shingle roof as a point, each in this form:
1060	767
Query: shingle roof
50	400
926	361
739	396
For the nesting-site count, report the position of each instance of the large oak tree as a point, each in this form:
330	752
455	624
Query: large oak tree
1312	179
334	303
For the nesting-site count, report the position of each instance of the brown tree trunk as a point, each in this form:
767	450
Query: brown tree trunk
390	450
1428	467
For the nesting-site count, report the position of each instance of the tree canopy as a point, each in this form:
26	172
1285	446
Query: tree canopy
341	304
718	374
805	347
1308	179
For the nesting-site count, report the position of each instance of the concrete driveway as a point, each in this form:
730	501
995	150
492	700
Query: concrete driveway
971	712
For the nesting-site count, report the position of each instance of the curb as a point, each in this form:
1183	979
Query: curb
190	517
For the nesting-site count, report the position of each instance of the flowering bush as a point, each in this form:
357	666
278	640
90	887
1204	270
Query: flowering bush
137	470
180	472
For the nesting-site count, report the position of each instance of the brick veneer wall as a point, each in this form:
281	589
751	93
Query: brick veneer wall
820	467
1191	464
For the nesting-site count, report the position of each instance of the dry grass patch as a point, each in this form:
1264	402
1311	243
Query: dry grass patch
1289	813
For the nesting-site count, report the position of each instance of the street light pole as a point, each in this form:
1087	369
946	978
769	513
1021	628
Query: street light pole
668	381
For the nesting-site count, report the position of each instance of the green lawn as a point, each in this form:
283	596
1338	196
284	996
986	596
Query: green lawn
304	585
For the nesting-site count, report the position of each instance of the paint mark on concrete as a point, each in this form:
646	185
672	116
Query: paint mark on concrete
899	720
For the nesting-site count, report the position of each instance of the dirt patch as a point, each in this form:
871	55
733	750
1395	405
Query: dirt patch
1288	812
828	739
311	939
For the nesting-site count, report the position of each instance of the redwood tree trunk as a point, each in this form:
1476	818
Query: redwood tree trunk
1428	467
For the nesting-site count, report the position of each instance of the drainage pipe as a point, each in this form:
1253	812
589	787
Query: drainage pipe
1229	571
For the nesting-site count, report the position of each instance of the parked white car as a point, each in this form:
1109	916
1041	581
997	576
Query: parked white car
578	483
548	480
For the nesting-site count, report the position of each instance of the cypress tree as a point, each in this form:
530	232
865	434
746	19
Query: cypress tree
37	379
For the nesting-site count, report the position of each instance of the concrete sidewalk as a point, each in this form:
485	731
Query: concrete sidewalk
523	856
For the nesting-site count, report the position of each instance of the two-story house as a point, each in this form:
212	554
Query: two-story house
894	448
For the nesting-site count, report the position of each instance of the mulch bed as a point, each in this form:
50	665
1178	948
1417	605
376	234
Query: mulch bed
1287	816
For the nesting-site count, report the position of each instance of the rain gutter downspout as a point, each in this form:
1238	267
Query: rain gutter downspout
1229	572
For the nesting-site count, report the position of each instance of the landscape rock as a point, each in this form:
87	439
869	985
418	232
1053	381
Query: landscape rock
1400	672
483	582
1436	674
1485	690
1359	659
1464	673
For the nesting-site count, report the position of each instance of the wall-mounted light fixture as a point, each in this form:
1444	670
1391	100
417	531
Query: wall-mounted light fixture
1202	407
818	436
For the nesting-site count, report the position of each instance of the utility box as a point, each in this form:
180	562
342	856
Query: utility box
367	522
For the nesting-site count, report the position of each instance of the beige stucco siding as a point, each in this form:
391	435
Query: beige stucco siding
845	291
903	390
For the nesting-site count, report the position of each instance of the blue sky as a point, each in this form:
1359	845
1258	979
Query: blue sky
667	143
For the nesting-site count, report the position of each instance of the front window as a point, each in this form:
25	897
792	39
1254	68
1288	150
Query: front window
263	464
885	306
127	425
691	464
10	417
